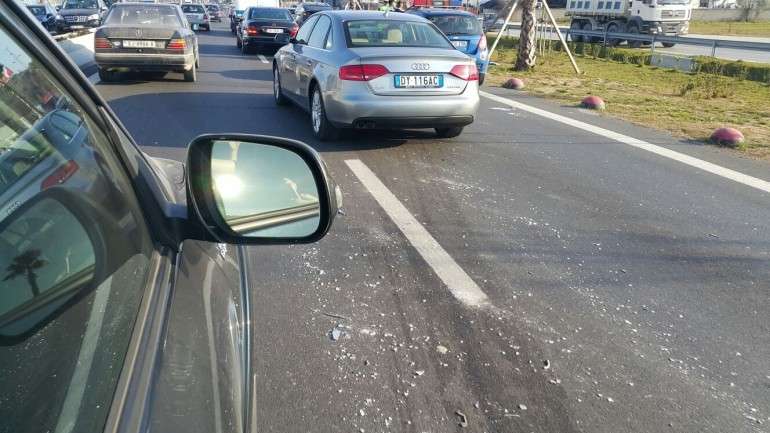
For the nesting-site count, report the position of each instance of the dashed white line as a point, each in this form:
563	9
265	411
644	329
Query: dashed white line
456	279
712	168
263	59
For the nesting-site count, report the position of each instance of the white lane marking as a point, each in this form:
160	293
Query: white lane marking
94	78
718	170
74	397
263	59
457	281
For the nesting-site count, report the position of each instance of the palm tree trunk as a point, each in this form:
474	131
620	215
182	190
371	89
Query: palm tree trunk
527	54
32	280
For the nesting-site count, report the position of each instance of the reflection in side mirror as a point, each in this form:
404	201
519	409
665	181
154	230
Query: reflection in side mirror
253	189
47	257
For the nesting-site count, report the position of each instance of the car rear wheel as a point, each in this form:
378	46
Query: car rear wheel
633	28
481	78
668	44
238	42
191	75
449	132
245	48
280	99
106	76
322	128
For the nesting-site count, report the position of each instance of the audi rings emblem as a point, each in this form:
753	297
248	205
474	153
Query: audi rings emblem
420	66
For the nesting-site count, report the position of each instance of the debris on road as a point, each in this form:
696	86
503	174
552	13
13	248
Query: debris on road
546	364
522	407
335	316
336	333
442	349
463	418
419	373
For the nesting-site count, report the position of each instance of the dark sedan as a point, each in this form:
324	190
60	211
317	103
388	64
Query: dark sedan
79	14
268	28
145	37
47	15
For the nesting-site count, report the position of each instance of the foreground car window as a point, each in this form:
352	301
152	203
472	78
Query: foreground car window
387	33
67	305
145	15
269	14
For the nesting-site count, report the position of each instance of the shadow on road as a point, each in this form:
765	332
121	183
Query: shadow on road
187	115
249	74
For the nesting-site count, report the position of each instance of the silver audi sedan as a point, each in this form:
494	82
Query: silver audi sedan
357	69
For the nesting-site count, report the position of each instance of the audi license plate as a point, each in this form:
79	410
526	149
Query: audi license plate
419	81
273	30
140	44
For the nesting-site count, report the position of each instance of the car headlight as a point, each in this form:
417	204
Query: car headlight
93	17
58	17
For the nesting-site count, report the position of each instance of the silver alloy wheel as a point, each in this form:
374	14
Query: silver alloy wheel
276	84
316	111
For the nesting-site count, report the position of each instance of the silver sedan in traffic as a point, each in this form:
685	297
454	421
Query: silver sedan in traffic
356	69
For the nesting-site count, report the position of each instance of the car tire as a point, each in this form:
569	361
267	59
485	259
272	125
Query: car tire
191	75
449	132
238	43
244	49
278	96
633	28
106	76
668	44
481	78
322	128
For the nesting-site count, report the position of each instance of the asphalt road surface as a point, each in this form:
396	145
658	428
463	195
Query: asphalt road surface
552	280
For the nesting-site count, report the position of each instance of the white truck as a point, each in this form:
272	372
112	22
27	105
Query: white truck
654	17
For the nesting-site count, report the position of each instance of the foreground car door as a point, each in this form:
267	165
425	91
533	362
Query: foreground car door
89	304
291	57
311	55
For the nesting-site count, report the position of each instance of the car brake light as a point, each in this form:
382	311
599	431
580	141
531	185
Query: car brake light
362	72
176	44
60	175
293	30
252	30
465	72
102	44
482	43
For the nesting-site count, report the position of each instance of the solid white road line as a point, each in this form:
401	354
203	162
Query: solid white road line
263	59
718	170
94	78
457	281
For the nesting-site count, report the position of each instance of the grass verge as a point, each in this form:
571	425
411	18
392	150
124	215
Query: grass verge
690	106
731	28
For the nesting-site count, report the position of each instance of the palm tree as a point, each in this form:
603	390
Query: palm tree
527	54
25	264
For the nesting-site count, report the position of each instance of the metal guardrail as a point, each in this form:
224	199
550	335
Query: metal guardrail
604	37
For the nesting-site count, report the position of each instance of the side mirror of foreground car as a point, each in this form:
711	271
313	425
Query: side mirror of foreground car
252	189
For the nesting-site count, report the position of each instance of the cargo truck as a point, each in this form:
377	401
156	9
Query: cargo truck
653	17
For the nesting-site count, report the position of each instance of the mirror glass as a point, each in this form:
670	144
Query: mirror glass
263	190
46	257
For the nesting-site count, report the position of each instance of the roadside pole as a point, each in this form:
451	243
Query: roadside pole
561	37
502	29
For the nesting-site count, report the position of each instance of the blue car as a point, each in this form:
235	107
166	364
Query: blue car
464	30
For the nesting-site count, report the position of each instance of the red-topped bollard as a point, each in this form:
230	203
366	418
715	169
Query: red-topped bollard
592	102
730	137
514	83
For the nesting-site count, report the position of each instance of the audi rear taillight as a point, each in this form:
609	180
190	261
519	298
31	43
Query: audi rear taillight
362	72
465	72
60	175
293	30
102	44
176	44
252	30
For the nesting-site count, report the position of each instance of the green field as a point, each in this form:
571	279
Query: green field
690	106
731	28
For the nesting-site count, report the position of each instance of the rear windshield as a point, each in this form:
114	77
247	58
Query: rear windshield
143	15
193	9
36	10
316	8
212	8
269	14
387	33
80	4
457	24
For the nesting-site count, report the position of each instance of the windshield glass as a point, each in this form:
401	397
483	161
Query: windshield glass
213	8
143	15
457	24
270	14
384	33
673	2
80	4
193	9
